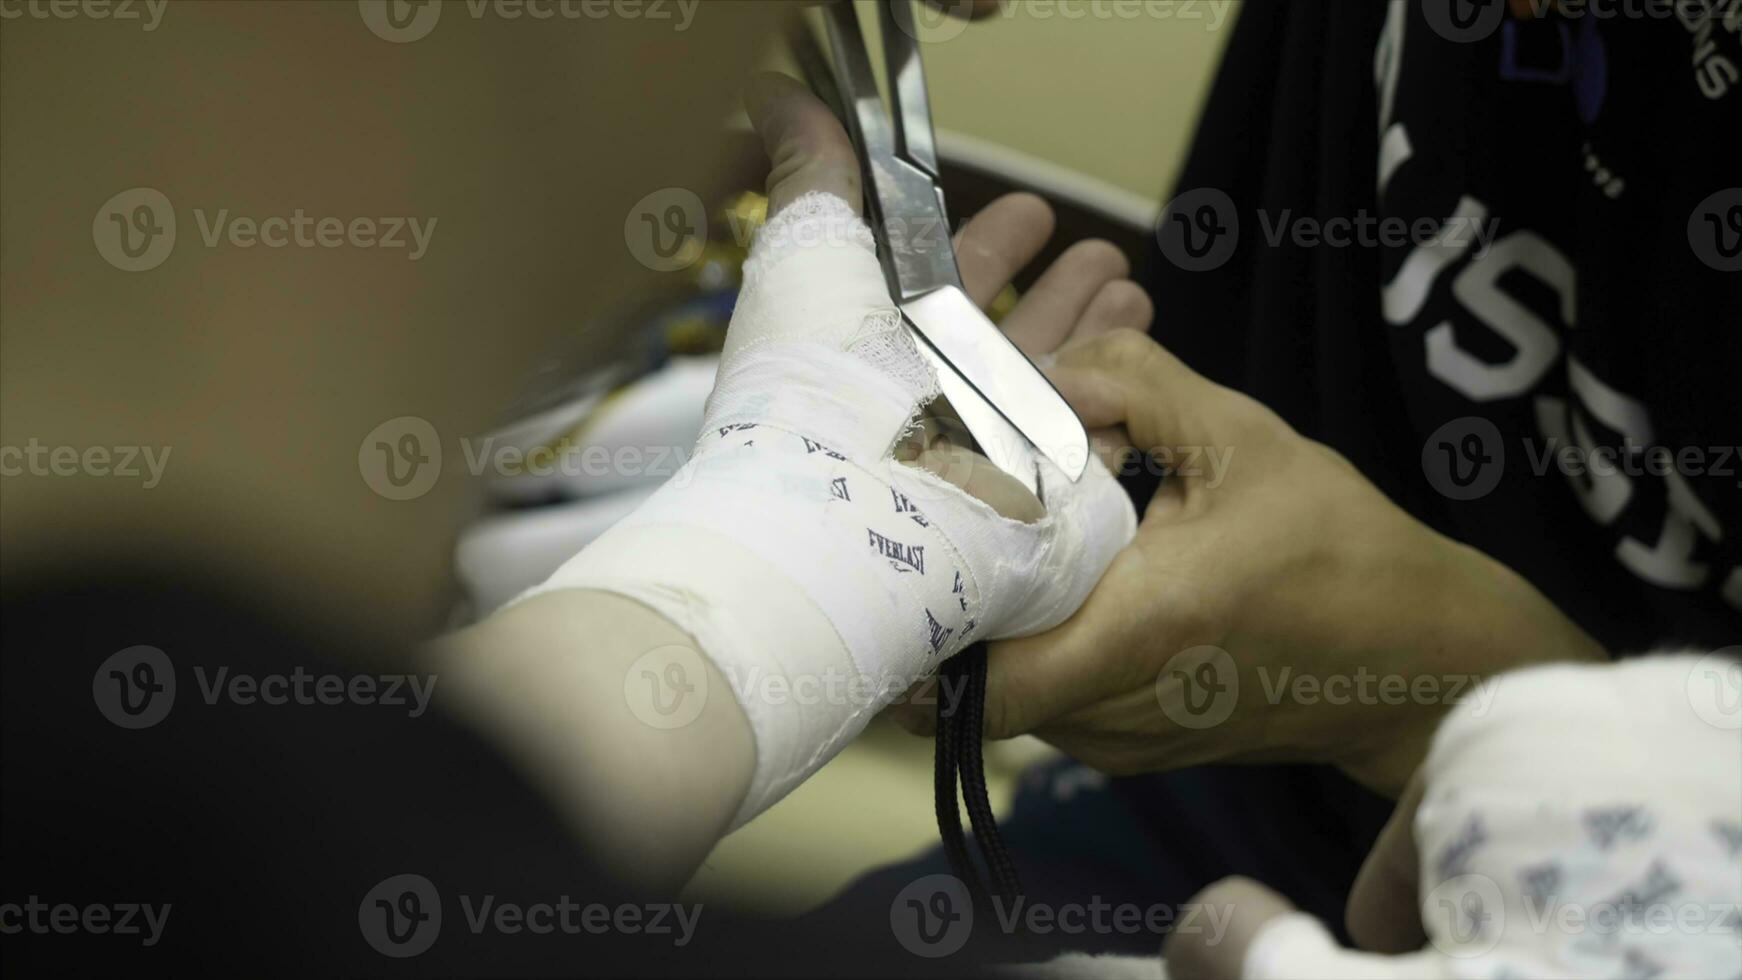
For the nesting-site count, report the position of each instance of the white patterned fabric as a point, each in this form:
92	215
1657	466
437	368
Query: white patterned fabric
1586	822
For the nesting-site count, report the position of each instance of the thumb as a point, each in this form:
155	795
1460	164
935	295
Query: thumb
807	148
1382	915
1230	915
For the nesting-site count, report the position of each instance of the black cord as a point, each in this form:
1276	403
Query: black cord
971	761
944	777
960	757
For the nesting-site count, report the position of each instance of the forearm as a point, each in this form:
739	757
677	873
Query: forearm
1473	618
563	684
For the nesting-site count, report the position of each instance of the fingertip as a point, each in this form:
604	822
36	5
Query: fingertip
1120	305
1033	209
1097	259
1243	907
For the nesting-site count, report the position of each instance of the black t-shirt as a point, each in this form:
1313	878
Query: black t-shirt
1551	285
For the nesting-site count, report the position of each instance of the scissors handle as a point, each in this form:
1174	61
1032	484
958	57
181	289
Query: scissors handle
904	202
916	139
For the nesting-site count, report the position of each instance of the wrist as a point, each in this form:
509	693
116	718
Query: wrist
558	684
1469	618
1505	621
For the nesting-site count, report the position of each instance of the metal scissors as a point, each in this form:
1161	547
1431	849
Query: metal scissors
1006	404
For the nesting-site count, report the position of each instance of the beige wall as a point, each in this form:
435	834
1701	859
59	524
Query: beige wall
1113	97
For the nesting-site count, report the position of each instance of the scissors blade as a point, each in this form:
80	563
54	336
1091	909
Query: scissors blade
1006	404
1002	376
995	437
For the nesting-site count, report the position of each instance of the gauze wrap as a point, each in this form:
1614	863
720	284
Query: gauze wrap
797	552
1587	824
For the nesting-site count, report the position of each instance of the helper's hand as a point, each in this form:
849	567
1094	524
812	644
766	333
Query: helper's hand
1274	606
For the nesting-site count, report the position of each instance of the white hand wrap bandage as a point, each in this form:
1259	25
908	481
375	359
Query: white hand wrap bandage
1589	824
797	552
